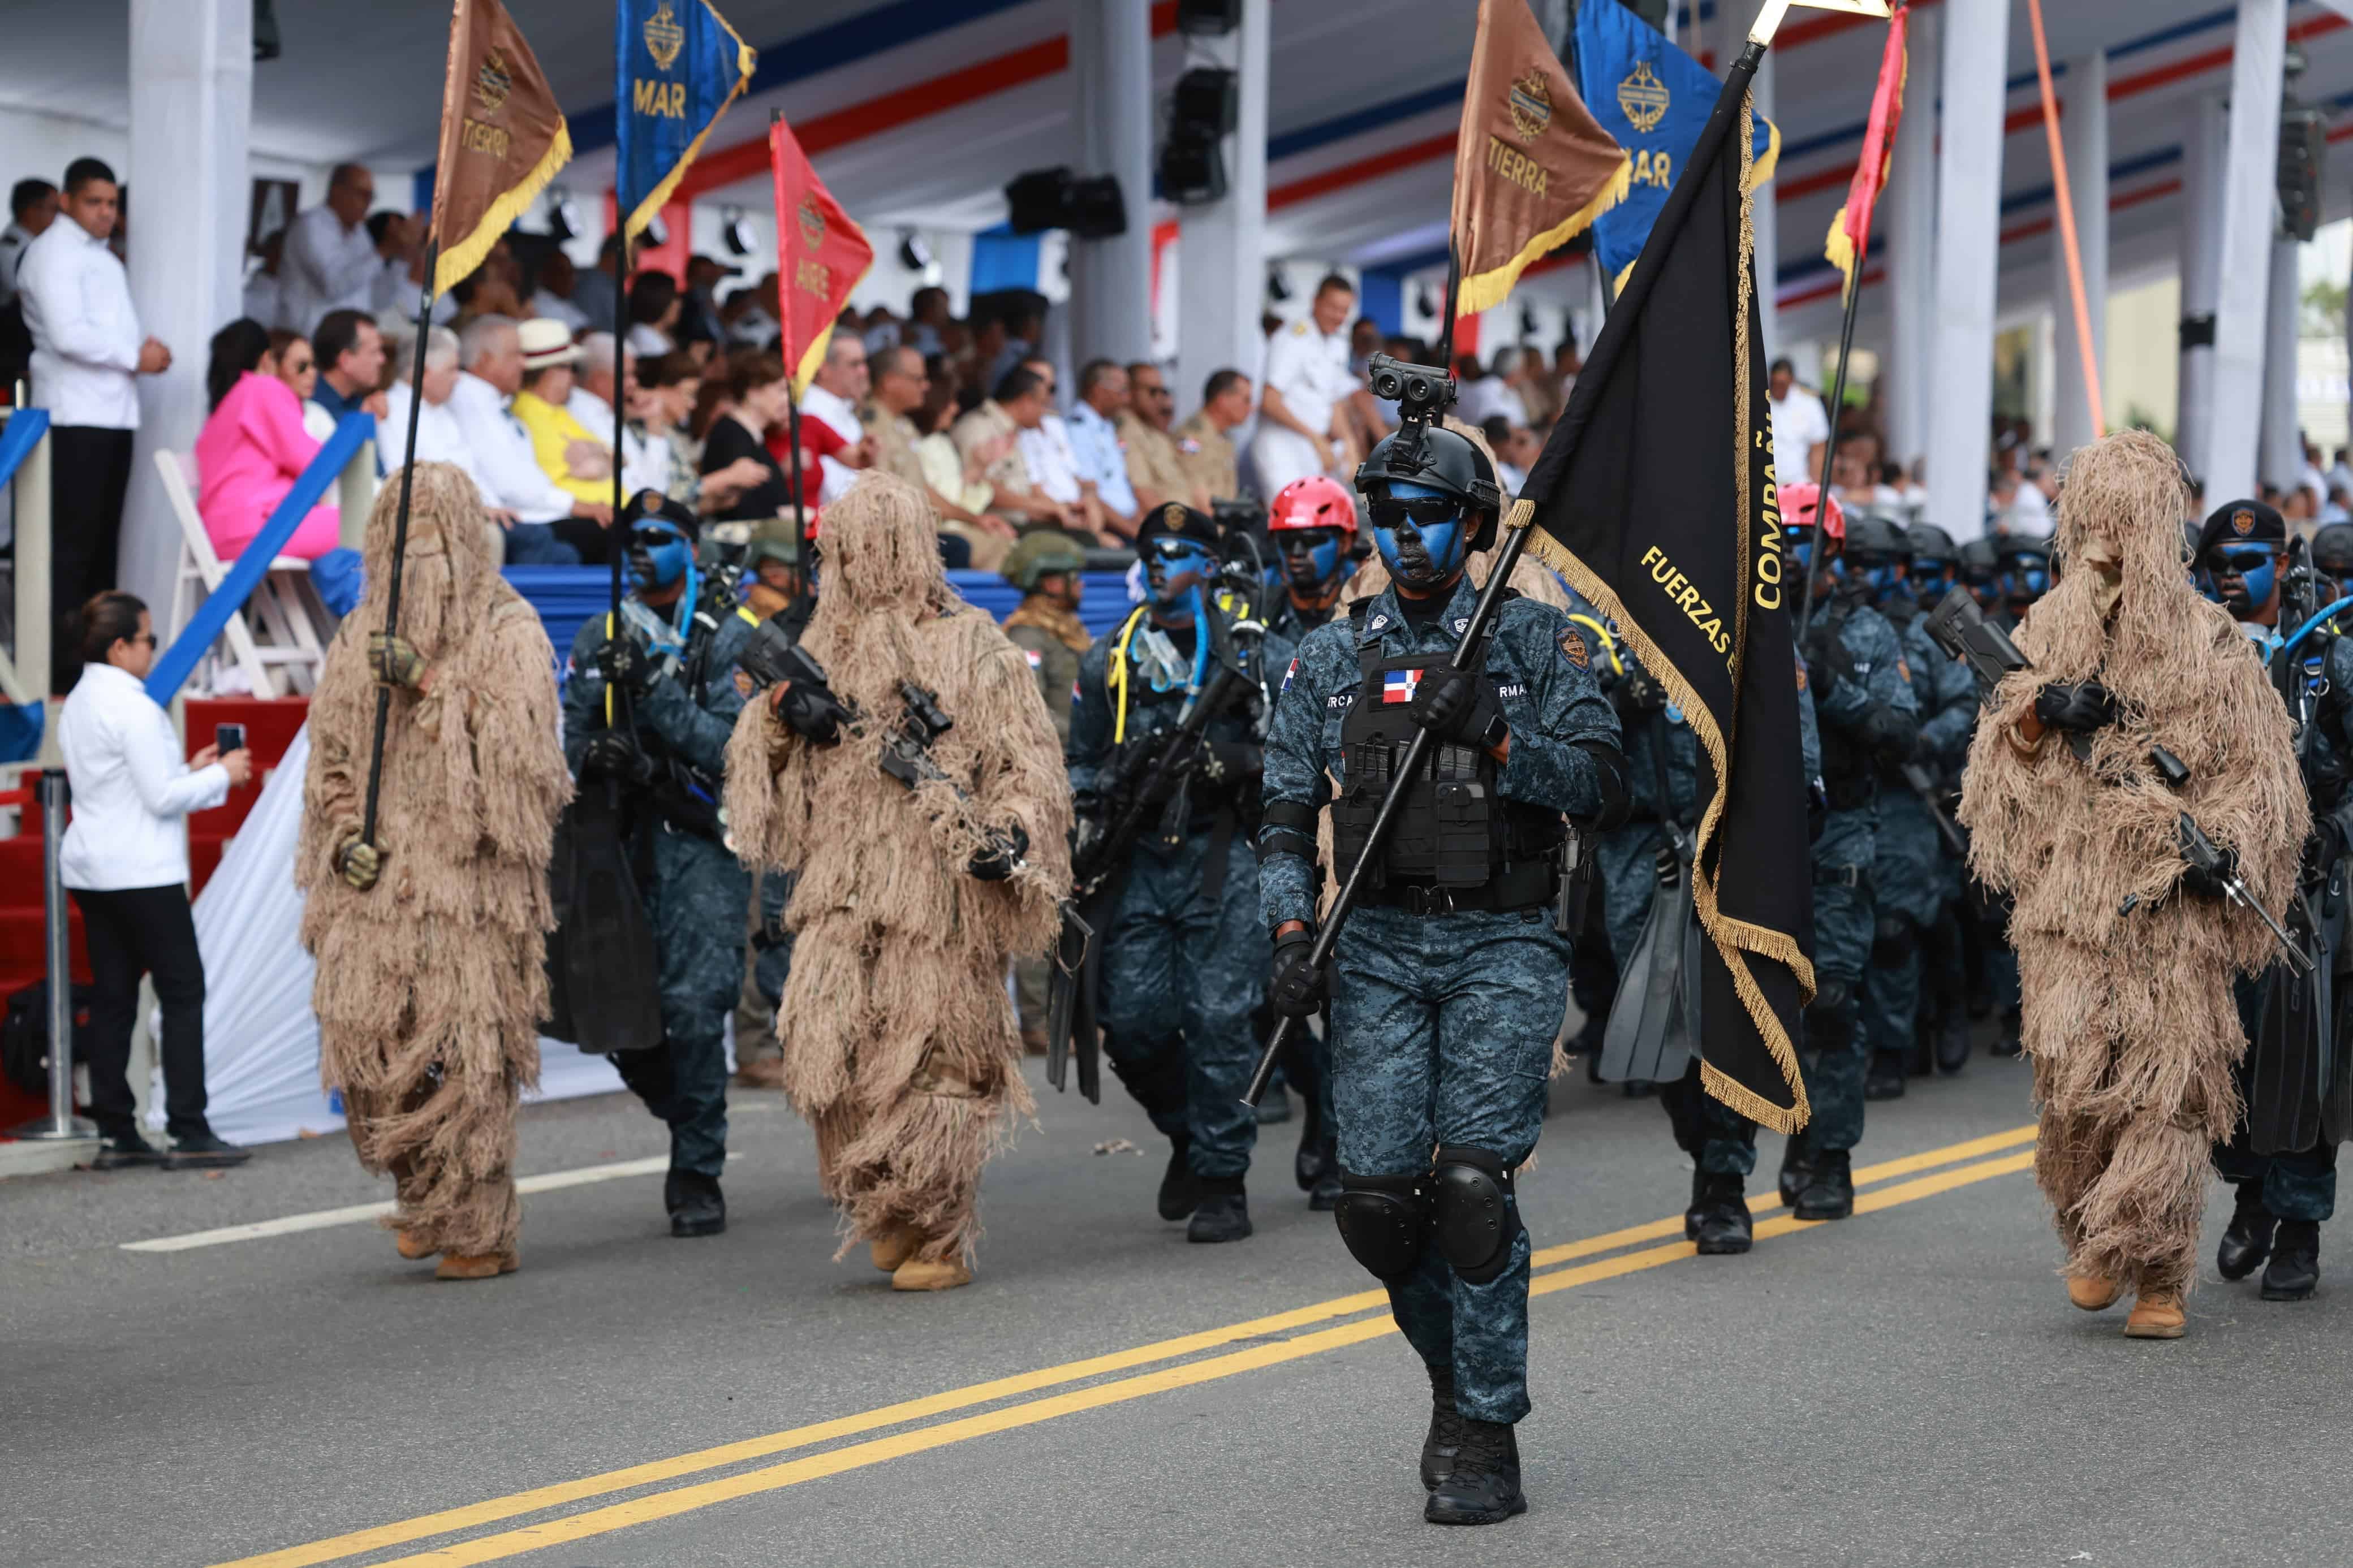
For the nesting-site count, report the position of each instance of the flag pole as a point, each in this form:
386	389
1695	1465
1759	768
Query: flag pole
805	572
400	538
1830	454
2066	204
1453	293
616	547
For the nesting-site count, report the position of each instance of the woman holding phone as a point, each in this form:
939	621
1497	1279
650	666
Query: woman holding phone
125	862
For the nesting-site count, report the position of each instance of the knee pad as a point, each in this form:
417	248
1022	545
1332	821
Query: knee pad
1472	1215
1382	1221
1893	936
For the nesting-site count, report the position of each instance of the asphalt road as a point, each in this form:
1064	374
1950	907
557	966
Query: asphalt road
1906	1387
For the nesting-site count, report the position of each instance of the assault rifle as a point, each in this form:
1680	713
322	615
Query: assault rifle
1151	786
772	656
1958	627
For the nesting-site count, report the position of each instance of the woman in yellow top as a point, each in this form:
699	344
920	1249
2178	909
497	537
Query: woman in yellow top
579	463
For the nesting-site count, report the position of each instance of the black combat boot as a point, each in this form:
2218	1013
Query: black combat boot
696	1206
2007	1043
1483	1486
1952	1041
1829	1188
1724	1227
1326	1195
1697	1206
1177	1194
2248	1241
1223	1214
1796	1167
1884	1080
2295	1270
1445	1435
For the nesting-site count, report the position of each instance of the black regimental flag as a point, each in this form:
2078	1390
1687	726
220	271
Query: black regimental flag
1655	497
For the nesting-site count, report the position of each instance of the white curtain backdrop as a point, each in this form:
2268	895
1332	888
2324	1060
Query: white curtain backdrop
261	1043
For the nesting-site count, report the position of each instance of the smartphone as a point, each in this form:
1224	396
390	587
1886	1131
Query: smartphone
228	737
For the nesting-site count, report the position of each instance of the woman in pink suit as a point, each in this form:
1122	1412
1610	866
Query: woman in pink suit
253	449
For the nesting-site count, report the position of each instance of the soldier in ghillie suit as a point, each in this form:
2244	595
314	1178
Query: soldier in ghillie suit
900	1046
2125	953
430	942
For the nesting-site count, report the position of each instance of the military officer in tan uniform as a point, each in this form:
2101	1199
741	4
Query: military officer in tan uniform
993	431
900	384
1154	468
1204	442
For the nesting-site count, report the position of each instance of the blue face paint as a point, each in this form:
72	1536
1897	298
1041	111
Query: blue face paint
2256	568
1421	534
660	554
1932	580
1800	544
1311	558
1176	566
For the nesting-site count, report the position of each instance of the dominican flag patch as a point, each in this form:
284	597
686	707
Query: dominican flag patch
1398	685
1034	657
1287	675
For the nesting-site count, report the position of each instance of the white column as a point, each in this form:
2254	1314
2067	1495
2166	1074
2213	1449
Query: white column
1766	220
2201	275
1110	280
2249	185
2085	127
1221	280
2280	460
191	103
1968	225
1906	238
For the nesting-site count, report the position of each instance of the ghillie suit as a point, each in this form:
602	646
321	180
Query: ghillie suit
431	984
899	1040
2128	1016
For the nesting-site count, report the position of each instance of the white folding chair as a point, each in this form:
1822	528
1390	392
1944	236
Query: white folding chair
283	609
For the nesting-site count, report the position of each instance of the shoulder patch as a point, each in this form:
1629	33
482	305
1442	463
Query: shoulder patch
1572	649
1903	670
1801	674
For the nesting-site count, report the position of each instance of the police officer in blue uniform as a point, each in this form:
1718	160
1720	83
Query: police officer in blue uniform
650	702
1184	962
2282	1198
1449	980
1863	702
1949	711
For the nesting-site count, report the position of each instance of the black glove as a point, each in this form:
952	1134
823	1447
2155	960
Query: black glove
999	854
626	665
2213	884
1827	662
1297	991
1089	805
810	711
2326	846
2080	705
614	755
1639	692
1459	706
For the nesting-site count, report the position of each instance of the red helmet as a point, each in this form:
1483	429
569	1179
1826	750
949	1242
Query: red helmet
1312	502
1798	503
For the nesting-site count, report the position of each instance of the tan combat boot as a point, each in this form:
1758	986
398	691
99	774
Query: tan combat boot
2093	1293
411	1246
488	1267
2155	1316
930	1274
893	1248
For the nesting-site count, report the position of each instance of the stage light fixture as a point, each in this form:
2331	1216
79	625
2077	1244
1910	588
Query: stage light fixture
735	231
1209	18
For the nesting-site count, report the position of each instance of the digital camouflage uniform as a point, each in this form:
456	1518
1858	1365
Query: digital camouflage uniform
1720	1141
1443	1023
1912	876
1184	958
697	893
1863	709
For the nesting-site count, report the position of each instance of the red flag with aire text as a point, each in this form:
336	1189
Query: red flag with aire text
820	256
1849	235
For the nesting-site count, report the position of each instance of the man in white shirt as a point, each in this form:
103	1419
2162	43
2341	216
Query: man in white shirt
504	465
1801	427
32	208
833	396
439	437
1053	461
645	459
87	353
553	298
1306	377
332	261
1095	439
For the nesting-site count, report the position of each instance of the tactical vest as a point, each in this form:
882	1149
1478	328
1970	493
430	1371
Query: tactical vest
1850	782
1454	829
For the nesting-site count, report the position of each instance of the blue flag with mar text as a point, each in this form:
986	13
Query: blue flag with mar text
679	65
1654	99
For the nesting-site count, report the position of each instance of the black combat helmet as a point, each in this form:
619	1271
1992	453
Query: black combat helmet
1978	562
1930	543
1873	540
1442	460
2332	550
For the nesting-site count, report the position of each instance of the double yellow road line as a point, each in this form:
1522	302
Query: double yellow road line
1956	1165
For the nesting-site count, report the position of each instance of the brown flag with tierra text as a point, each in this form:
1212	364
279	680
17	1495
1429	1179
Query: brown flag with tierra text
1532	169
502	137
